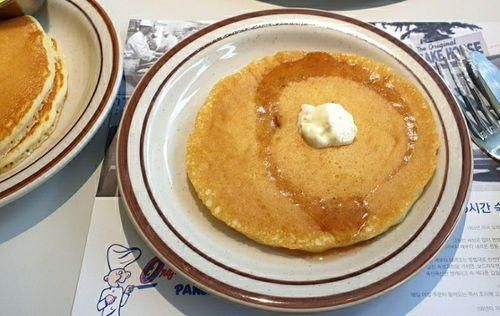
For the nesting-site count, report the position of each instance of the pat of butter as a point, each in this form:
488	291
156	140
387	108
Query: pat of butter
326	125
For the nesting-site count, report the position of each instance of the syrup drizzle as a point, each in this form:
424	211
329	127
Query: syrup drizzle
344	218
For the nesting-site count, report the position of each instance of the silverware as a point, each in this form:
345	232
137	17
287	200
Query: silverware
487	77
13	8
476	97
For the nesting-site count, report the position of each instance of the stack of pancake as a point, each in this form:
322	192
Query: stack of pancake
33	83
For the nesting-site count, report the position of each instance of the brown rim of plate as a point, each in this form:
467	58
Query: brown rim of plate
257	299
256	277
102	105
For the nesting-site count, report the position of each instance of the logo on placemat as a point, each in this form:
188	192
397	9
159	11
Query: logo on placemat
114	296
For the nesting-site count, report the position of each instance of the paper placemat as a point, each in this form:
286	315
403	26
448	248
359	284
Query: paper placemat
464	279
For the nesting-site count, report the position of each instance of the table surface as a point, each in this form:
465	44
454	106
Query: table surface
43	234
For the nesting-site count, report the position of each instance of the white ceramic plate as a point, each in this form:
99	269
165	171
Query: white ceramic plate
88	40
155	188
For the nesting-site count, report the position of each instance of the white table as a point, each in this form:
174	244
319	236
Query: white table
42	235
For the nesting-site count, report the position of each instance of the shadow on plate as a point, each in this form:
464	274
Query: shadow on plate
207	304
27	211
399	299
343	5
42	16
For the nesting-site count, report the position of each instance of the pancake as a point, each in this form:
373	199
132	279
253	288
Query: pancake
47	119
28	60
252	169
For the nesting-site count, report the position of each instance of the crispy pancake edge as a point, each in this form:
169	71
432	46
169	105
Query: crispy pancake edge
46	123
31	117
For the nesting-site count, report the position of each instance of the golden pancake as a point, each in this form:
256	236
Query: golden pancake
27	65
48	117
253	170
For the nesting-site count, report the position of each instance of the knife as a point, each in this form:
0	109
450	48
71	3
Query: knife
485	75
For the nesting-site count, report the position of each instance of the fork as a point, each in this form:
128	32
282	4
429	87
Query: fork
483	118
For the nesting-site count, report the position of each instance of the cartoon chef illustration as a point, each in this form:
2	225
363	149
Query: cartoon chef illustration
115	296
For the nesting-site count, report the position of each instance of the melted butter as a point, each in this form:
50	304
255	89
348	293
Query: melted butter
343	218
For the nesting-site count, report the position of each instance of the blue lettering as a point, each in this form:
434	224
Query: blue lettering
178	288
476	46
187	290
197	291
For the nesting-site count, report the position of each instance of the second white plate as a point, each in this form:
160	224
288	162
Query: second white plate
89	43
